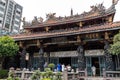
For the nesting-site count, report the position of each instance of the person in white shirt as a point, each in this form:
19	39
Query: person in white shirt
68	68
93	70
63	67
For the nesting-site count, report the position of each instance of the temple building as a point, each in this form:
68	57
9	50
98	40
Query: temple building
81	40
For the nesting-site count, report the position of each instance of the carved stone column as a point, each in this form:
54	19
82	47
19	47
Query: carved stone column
81	58
30	61
48	57
41	59
108	57
22	59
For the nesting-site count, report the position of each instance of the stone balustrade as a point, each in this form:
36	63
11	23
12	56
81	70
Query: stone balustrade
113	74
78	75
26	74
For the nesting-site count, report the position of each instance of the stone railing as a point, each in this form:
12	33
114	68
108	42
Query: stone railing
26	74
113	74
107	75
72	76
78	75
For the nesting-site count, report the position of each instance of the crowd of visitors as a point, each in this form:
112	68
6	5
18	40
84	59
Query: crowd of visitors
63	67
60	67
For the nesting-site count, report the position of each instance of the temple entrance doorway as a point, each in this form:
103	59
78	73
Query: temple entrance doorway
65	60
95	62
98	62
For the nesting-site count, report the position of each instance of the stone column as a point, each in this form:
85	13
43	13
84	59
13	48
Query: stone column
65	75
108	57
30	61
22	59
81	58
48	57
41	59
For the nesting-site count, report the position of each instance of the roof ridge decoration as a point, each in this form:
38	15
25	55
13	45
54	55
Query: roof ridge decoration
114	2
96	10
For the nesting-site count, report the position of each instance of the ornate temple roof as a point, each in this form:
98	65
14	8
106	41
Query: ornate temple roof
99	28
96	11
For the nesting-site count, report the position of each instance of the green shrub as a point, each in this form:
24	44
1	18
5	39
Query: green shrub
36	75
10	78
46	79
51	65
43	74
11	74
58	76
47	69
17	78
3	74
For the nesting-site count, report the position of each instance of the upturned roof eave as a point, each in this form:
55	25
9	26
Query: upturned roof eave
68	34
68	21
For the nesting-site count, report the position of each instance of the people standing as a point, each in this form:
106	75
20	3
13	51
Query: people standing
58	67
93	70
63	67
68	68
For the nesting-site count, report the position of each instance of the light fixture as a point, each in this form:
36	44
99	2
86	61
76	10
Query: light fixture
27	56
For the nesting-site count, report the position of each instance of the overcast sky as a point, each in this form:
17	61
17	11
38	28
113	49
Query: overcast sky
39	8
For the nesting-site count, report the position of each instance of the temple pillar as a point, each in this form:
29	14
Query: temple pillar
108	57
81	58
22	59
48	57
30	61
41	59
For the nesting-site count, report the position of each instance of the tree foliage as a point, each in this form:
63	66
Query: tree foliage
115	47
8	47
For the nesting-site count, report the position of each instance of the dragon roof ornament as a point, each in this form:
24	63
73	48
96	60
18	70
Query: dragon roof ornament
114	2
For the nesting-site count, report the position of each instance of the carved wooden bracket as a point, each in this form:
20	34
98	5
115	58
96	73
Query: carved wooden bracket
38	43
47	29
21	44
78	39
80	24
106	35
110	19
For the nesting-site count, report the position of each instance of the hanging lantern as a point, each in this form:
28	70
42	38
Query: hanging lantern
27	56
